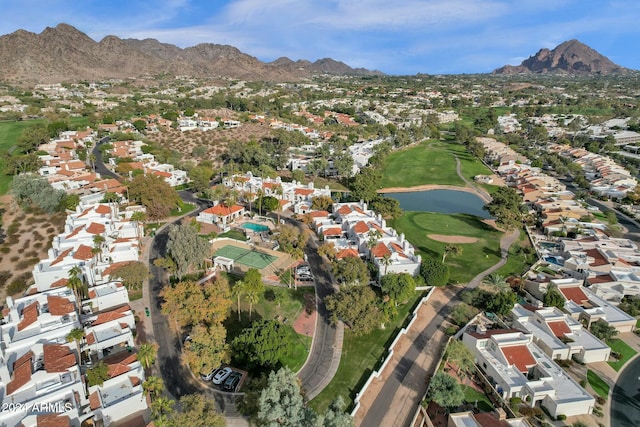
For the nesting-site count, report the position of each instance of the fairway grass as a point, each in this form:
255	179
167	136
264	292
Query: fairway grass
475	257
9	132
431	162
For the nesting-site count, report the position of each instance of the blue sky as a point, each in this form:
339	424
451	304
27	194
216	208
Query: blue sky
394	36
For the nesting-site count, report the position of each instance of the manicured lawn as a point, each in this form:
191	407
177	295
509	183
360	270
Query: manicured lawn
597	383
624	350
431	162
283	304
360	355
234	234
471	395
428	163
517	261
638	323
475	257
182	209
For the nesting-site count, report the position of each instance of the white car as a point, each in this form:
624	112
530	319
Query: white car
221	375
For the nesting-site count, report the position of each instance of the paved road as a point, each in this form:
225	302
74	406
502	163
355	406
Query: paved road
99	164
625	399
177	378
633	230
324	358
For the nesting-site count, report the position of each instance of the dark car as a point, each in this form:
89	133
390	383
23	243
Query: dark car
232	381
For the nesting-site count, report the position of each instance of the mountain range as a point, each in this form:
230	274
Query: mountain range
570	57
63	53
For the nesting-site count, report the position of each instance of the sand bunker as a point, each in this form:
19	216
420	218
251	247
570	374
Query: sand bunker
452	239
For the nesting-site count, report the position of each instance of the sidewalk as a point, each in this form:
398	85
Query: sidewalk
428	338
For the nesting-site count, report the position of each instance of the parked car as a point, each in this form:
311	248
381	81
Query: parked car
232	381
221	375
210	375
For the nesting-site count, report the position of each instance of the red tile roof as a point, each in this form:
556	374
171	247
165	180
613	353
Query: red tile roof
94	400
22	359
75	231
598	259
29	315
83	253
91	338
344	210
61	256
107	317
360	227
520	356
59	283
96	228
59	306
21	376
52	420
118	369
559	328
303	191
346	253
109	270
103	210
574	293
380	250
332	231
318	214
223	210
58	358
601	278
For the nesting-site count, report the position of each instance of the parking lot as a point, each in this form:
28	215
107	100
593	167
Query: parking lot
303	274
225	379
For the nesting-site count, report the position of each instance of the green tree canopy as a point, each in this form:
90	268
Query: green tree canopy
207	348
281	404
445	390
197	411
200	178
553	298
186	248
366	184
31	190
357	306
262	344
602	330
98	374
399	287
155	194
505	207
350	271
132	275
434	272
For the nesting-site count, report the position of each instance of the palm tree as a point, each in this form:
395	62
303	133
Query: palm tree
278	192
238	289
153	386
75	282
138	217
253	297
76	335
98	240
496	282
161	406
386	261
146	355
260	195
451	249
374	236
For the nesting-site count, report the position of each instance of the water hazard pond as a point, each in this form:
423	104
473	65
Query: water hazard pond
441	201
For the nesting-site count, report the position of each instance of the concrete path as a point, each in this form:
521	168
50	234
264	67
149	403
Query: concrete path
393	398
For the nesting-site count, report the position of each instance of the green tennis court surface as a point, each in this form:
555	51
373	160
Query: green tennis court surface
248	257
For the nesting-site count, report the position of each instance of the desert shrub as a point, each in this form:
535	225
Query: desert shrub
601	400
534	412
14	258
38	245
31	254
20	250
5	249
51	230
4	277
16	286
28	262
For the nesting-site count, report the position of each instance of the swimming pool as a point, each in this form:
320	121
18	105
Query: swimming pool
255	227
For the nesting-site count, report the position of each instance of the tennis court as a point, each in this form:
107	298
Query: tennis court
249	257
